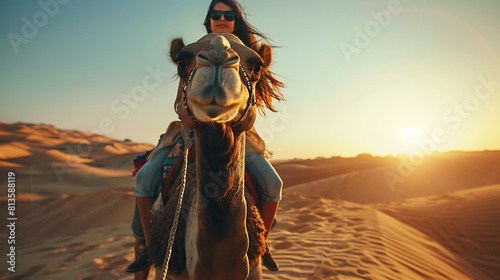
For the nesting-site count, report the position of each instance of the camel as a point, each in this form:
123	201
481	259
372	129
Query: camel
221	234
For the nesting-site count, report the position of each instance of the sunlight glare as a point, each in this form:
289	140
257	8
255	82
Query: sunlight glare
409	134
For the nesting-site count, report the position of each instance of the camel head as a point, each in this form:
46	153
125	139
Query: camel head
219	74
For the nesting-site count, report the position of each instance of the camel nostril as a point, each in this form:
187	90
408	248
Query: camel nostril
203	59
232	61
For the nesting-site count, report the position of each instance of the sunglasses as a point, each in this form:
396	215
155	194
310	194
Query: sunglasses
228	15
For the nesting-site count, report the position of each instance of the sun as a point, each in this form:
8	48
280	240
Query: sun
409	134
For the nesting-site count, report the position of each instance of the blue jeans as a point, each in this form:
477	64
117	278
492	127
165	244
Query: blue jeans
149	178
267	181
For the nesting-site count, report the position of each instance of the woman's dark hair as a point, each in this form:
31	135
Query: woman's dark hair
268	87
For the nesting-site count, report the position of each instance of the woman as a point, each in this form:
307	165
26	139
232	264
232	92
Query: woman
223	16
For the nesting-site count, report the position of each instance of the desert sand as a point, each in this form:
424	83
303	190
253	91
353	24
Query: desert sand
340	218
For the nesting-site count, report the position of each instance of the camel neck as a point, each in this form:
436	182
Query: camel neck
220	169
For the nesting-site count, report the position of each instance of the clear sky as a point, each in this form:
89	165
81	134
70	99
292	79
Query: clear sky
377	76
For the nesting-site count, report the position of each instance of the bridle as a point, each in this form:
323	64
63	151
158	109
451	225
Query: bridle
246	80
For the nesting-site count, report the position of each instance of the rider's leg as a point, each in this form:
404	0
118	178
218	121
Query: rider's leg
144	204
268	212
147	182
269	186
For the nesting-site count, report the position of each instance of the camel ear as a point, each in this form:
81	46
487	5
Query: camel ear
175	48
266	54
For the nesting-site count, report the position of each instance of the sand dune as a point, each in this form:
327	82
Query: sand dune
50	161
339	218
440	173
315	238
14	150
465	222
305	171
335	239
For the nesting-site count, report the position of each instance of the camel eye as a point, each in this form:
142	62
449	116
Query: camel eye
257	69
181	64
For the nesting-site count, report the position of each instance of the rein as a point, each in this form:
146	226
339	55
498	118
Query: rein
250	102
173	230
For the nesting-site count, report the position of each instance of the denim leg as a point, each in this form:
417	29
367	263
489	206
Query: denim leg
149	177
147	182
136	223
268	183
